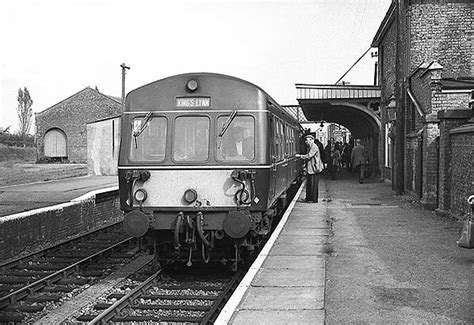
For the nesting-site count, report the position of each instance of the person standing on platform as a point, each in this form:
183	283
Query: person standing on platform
314	166
332	157
321	150
359	159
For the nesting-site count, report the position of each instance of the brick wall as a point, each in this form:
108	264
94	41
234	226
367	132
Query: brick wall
25	232
449	120
387	64
442	31
387	50
429	30
462	169
438	31
430	165
71	116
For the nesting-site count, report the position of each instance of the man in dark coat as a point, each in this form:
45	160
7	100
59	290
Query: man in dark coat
332	156
359	159
321	150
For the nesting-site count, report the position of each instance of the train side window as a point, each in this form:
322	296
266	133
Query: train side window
191	138
238	142
150	145
281	139
289	147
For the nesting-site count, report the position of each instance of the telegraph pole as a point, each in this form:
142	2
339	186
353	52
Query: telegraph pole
124	71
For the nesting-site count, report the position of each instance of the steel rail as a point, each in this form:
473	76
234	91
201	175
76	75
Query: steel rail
41	283
212	314
126	300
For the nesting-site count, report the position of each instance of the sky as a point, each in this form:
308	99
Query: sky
56	48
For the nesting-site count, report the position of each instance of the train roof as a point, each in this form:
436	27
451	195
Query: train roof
223	92
208	75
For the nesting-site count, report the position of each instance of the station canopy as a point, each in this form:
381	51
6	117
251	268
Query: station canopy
354	107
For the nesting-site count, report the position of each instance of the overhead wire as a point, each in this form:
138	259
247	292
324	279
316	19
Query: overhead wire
353	65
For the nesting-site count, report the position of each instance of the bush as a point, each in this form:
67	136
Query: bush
9	153
15	140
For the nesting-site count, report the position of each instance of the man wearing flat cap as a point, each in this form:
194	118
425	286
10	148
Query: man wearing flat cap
313	168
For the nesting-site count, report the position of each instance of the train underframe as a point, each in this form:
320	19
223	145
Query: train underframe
229	237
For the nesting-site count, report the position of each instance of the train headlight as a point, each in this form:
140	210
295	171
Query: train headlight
192	85
190	196
140	195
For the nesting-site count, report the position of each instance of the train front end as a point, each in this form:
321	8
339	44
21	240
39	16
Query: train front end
193	171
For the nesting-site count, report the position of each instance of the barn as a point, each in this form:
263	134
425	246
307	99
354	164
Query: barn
61	130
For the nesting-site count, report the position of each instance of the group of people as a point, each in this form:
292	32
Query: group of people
332	157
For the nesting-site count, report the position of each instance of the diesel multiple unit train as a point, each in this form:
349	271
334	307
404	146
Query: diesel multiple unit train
204	162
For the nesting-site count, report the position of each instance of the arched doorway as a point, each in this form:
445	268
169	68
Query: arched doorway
354	107
55	144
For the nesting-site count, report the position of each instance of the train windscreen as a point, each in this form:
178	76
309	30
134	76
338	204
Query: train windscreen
191	138
237	143
149	140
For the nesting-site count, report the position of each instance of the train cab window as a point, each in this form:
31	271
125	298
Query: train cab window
150	144
191	138
238	142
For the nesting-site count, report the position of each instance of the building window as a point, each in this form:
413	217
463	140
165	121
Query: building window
388	146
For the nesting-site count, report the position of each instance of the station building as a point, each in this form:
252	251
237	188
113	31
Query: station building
61	130
426	73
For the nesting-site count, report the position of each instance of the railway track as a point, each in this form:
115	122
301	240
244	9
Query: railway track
55	285
154	299
43	279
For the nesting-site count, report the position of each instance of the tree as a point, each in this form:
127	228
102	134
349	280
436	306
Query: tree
24	111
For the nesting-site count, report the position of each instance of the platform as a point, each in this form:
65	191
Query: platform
286	282
25	197
361	255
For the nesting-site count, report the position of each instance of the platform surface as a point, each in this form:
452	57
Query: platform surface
19	198
288	281
362	255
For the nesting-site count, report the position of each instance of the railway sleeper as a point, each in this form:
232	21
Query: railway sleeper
16	280
76	281
43	267
24	273
169	297
103	306
8	318
25	309
58	288
43	298
97	273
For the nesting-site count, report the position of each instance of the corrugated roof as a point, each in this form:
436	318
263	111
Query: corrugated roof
319	92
